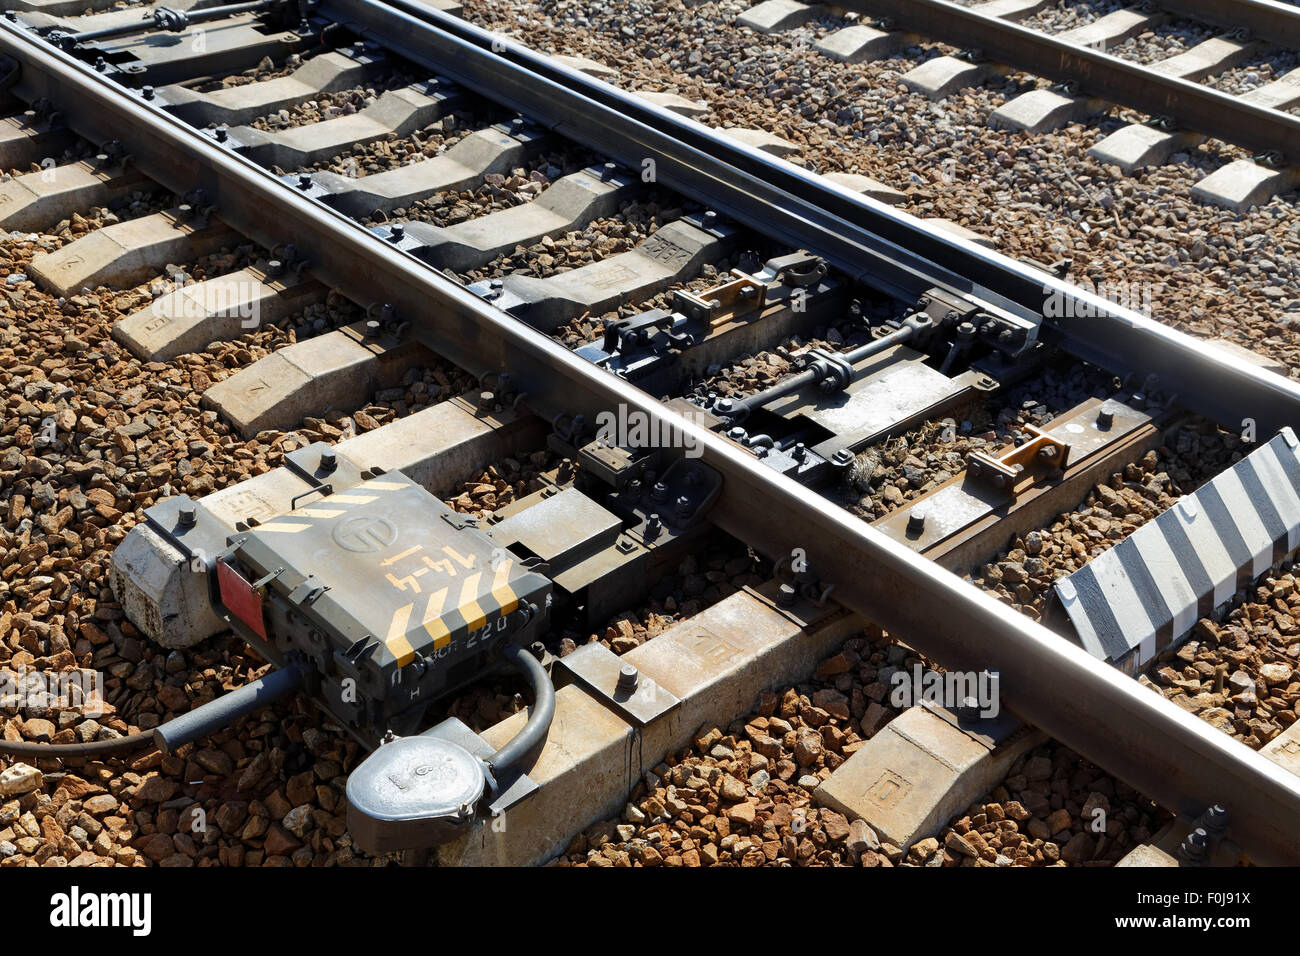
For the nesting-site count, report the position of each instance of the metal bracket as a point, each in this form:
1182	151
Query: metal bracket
742	296
189	527
618	684
989	731
1042	451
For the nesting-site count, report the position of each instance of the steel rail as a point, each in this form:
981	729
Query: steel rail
1192	105
1267	20
856	234
1132	732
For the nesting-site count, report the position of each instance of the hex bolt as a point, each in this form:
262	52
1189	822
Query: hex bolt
710	219
221	133
100	64
786	594
328	461
842	458
146	92
495	288
486	399
1195	846
659	492
1048	452
275	268
372	329
188	517
1105	415
724	406
653	526
800	452
683	507
916	521
609	170
736	434
396	232
628	677
634	488
304	180
185	211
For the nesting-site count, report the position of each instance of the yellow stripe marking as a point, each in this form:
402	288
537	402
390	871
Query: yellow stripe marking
288	527
469	609
353	499
502	593
397	642
433	622
319	512
385	485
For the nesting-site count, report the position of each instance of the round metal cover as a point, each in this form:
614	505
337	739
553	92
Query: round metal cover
416	778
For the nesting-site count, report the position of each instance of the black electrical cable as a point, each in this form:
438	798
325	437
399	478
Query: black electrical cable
539	721
96	748
200	722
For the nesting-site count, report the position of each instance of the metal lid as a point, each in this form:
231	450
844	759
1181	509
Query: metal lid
416	778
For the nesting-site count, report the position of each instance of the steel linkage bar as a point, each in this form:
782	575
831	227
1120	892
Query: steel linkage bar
878	245
1173	757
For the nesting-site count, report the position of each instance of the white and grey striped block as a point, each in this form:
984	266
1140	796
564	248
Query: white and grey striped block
1146	593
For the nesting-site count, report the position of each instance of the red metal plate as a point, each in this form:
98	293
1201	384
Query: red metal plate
239	596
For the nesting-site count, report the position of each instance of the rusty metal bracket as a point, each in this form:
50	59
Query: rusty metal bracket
742	296
1042	453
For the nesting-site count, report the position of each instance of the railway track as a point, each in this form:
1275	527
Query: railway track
694	367
1195	78
1094	71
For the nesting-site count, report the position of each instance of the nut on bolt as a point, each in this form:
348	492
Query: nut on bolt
1195	846
1106	415
187	517
328	461
628	677
916	521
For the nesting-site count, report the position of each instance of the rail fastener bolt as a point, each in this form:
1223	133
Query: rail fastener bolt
628	677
